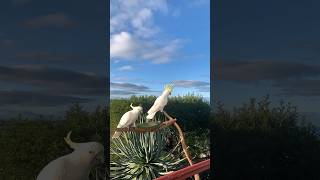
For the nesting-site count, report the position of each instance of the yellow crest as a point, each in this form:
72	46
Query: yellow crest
168	87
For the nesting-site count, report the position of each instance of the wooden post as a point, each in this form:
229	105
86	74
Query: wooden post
183	143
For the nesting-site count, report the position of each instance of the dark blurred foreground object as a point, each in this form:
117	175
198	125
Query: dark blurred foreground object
260	142
27	145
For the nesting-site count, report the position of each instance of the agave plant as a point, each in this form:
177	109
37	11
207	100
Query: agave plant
142	155
98	173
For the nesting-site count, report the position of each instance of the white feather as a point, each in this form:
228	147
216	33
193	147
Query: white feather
128	119
74	166
159	104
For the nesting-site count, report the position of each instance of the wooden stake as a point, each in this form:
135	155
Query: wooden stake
183	143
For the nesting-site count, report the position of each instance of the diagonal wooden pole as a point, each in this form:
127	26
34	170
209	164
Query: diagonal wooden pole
183	143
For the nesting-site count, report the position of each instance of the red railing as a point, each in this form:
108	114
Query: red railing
187	171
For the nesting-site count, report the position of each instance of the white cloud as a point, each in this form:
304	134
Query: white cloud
142	17
118	78
201	86
120	89
125	68
143	24
190	83
128	87
122	45
161	54
138	13
134	34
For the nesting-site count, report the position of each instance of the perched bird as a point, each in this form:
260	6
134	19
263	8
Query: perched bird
128	119
76	165
160	102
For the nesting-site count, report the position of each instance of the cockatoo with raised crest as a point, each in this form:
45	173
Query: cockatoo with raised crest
76	165
128	119
160	102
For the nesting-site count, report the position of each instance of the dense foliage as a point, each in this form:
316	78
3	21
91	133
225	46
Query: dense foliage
28	145
191	111
260	141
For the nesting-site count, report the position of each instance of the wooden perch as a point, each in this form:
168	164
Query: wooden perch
147	129
183	143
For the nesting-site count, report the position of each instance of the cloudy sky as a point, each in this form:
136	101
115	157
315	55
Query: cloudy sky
268	47
156	42
52	54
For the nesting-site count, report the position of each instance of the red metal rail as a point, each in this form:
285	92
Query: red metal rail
187	171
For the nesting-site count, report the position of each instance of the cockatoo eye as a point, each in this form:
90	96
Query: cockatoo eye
91	152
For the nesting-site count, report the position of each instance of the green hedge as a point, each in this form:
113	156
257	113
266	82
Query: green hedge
191	111
27	145
260	140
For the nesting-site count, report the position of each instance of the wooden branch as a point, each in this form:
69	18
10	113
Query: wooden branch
167	115
183	144
147	129
185	150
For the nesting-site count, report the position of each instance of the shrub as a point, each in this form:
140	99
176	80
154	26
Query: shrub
191	111
260	141
27	145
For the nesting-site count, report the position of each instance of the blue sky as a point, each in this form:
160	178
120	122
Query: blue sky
156	42
267	48
52	55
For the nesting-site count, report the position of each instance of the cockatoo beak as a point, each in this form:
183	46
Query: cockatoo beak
101	158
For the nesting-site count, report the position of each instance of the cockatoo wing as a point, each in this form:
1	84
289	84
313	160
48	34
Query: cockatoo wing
55	170
157	106
126	120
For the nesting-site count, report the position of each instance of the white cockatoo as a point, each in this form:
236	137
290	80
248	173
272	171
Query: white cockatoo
160	102
76	165
128	119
